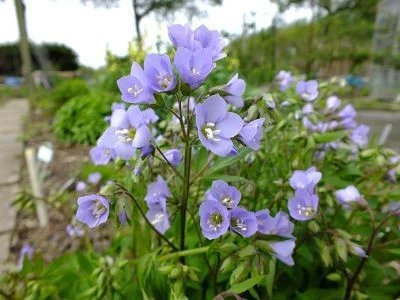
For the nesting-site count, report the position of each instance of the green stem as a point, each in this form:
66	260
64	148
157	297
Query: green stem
185	253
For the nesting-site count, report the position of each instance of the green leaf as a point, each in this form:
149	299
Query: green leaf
341	248
159	100
225	162
327	137
185	89
229	178
271	276
245	285
249	250
239	273
333	277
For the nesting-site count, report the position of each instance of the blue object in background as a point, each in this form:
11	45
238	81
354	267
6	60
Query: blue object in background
13	81
355	81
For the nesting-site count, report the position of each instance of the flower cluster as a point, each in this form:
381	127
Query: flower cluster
304	205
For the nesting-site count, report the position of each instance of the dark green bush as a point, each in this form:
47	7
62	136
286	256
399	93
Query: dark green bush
81	119
69	89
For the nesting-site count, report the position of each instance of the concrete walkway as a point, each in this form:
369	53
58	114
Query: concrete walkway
11	158
377	120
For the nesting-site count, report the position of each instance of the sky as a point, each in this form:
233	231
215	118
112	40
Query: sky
90	31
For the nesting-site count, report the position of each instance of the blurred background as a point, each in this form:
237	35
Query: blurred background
353	42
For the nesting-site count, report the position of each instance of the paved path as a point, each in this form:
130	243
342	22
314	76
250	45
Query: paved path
11	158
377	120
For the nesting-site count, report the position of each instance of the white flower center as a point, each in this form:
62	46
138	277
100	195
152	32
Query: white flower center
126	135
239	224
227	201
210	132
164	80
135	90
305	211
98	209
215	221
195	72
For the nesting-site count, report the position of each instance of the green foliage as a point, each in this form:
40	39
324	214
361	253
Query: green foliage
69	89
81	119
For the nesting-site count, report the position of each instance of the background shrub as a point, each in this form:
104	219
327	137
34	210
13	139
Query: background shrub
81	119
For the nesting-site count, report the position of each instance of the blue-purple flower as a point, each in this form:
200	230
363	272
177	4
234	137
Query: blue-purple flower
307	109
159	219
307	179
347	112
202	38
359	136
80	186
135	88
93	210
243	222
307	90
128	134
157	194
283	251
159	73
348	196
123	217
74	231
226	194
216	127
332	103
26	251
101	155
284	79
118	105
252	133
214	219
94	178
303	206
173	156
278	225
357	250
235	87
149	116
193	66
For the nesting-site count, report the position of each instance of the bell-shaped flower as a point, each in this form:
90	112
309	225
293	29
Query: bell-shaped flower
159	73
93	210
307	90
135	88
193	66
94	178
252	133
243	222
235	87
157	194
283	251
214	219
348	112
307	109
278	225
80	186
159	219
307	179
350	196
173	156
359	136
216	127
332	103
226	194
211	40
284	79
130	133
303	206
26	251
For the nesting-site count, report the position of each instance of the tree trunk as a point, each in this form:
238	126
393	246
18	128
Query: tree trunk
24	45
138	18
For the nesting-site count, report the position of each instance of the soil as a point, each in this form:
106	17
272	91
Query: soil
52	241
